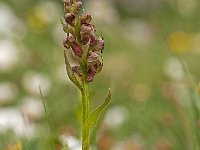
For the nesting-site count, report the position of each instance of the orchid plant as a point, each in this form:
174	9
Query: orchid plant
87	49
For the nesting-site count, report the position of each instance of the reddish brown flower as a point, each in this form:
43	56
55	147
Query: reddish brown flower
78	36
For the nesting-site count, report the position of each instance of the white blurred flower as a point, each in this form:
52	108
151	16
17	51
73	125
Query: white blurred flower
32	80
9	55
7	92
115	116
71	141
10	24
174	69
32	108
102	11
12	119
139	32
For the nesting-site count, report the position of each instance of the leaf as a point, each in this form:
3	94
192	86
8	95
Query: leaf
70	72
84	57
91	121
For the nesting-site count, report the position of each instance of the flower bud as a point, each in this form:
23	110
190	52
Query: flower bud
77	49
86	18
69	18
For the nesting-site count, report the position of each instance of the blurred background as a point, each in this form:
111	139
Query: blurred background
151	64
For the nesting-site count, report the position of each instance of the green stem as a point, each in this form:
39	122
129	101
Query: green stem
85	107
85	102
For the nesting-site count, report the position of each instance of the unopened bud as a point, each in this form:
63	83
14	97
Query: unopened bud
86	18
69	18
